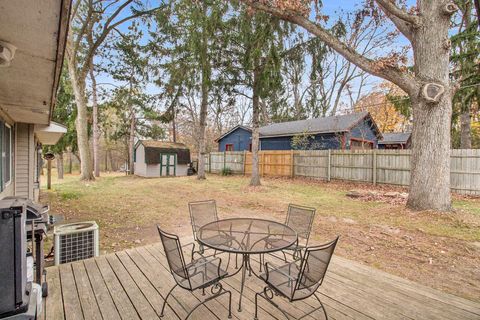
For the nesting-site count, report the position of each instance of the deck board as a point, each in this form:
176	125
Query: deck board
132	284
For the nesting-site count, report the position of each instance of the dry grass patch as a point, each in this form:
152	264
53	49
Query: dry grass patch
438	250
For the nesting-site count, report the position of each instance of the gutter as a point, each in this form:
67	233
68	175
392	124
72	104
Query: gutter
62	33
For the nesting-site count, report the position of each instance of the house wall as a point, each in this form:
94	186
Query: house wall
24	160
363	131
240	138
319	142
139	165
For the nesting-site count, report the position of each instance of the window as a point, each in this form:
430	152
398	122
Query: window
229	147
250	147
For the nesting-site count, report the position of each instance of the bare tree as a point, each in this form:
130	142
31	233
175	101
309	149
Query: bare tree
426	26
91	23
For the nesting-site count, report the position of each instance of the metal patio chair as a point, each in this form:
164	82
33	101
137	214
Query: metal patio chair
201	213
300	219
297	282
198	274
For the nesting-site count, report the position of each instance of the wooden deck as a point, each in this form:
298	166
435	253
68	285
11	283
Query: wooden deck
131	285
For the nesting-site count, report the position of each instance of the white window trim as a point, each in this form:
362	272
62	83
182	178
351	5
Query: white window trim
10	155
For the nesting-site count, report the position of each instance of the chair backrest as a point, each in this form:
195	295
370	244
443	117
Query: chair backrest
314	266
300	219
201	213
174	255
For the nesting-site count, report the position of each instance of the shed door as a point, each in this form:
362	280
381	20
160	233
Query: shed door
168	164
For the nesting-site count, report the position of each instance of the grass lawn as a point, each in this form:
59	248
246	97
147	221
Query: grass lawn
438	250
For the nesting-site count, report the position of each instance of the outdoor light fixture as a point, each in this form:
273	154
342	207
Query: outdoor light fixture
7	52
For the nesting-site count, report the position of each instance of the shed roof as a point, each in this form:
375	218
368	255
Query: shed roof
395	137
318	125
162	144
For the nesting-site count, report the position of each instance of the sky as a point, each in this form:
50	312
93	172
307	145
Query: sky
331	8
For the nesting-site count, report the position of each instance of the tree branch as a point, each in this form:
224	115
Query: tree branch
390	73
403	26
392	10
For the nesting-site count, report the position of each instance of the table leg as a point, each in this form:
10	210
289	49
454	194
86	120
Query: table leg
244	271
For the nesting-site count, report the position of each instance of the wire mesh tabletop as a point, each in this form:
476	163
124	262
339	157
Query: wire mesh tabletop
247	235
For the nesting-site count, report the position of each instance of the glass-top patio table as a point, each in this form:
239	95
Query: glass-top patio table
246	236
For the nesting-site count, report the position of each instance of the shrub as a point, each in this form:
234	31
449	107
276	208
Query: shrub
226	171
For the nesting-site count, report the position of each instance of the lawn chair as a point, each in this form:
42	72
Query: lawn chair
201	213
297	282
300	219
198	274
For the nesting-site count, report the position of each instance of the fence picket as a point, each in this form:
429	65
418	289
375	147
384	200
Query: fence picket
373	166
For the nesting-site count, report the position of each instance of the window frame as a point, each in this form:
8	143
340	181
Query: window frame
10	156
227	145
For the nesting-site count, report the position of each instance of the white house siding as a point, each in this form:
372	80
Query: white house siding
24	160
140	167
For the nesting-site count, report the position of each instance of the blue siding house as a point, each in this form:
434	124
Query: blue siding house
351	131
238	138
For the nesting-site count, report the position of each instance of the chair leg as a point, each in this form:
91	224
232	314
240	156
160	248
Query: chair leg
214	296
165	300
322	306
269	300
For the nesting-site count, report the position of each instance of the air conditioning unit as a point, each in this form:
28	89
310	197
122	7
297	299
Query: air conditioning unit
75	241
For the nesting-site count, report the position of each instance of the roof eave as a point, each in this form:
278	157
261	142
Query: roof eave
63	28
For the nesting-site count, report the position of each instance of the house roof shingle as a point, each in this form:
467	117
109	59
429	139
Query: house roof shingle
318	125
395	137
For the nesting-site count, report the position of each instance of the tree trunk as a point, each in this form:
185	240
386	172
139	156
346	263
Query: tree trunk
60	166
430	160
70	161
131	142
81	123
96	131
465	129
202	129
205	65
255	178
174	125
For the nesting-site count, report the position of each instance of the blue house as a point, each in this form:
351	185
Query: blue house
350	132
238	138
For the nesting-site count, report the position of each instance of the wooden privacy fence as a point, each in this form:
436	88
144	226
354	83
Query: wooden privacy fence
373	166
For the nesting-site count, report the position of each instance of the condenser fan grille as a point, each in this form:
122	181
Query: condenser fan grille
77	246
75	242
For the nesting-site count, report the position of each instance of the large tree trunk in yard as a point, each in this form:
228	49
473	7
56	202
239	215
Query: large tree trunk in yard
201	133
465	129
131	142
60	166
255	178
430	161
96	131
81	123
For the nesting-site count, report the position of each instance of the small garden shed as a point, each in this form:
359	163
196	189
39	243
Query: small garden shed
160	158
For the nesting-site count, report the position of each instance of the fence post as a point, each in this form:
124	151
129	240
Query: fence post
209	162
224	159
263	164
244	160
329	164
292	171
374	167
